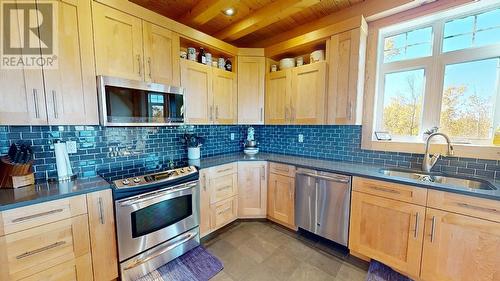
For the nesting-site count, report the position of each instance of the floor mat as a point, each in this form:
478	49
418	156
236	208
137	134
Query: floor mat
195	265
381	272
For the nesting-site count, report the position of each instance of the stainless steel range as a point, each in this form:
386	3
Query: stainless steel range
157	219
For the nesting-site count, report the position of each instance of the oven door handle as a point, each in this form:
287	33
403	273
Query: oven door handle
141	199
161	251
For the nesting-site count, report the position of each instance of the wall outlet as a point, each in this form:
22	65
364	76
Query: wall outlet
301	138
71	147
232	136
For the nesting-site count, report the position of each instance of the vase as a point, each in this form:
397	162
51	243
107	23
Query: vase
194	153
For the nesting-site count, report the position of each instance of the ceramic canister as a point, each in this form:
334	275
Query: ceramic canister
274	68
208	58
191	53
222	63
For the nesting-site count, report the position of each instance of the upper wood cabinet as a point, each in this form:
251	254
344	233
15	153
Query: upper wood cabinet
252	189
281	199
309	94
387	230
278	97
460	248
297	96
102	235
62	95
129	47
346	77
161	54
251	78
210	94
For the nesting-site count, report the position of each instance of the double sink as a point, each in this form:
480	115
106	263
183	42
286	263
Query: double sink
456	181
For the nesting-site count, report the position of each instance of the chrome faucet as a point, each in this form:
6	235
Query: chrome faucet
429	161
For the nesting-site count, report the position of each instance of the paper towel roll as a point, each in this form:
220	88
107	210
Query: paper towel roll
62	161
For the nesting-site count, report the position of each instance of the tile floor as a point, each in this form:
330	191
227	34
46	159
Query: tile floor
264	251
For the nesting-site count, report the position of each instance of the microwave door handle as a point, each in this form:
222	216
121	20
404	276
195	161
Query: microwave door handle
140	199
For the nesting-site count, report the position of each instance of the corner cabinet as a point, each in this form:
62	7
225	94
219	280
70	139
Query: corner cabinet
56	96
347	53
131	48
251	80
210	94
297	95
252	189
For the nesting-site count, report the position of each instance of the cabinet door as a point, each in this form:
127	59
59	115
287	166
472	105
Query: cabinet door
225	96
196	79
460	248
281	199
22	100
251	77
102	235
161	55
346	77
204	204
118	43
309	94
252	189
278	88
224	212
71	88
387	230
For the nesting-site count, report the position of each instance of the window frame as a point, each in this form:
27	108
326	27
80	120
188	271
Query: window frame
434	69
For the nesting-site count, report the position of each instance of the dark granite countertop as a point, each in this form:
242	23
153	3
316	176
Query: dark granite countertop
42	192
347	168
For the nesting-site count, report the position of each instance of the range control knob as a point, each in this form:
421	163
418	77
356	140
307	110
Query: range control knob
137	180
126	182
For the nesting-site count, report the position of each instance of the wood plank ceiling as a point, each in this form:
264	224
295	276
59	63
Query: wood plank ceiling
255	21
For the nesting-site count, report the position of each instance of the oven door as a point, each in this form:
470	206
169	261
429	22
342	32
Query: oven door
146	220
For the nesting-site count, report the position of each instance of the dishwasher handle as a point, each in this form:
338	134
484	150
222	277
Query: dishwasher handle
328	178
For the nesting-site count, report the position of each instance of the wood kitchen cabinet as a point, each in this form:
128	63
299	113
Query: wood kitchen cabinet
204	204
251	80
297	95
281	199
61	95
131	48
387	230
252	189
346	76
102	235
210	94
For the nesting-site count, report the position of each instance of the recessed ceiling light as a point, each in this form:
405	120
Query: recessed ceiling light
229	12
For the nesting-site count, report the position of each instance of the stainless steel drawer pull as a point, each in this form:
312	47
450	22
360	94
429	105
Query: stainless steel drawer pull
150	71
281	169
478	208
224	187
30	217
43	249
263	173
433	228
415	234
335	179
261	114
54	100
35	102
224	170
101	210
385	190
223	211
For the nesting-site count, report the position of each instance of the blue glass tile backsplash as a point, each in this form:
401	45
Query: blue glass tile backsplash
113	152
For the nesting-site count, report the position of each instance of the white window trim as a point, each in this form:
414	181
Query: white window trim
434	75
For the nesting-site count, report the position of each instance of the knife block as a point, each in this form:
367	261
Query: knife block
14	175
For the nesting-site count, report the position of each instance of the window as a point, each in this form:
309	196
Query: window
442	71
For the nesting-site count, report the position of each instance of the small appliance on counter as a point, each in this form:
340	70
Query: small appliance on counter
251	144
16	168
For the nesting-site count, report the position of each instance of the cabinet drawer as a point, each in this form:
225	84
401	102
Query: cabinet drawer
39	214
223	170
34	250
466	205
224	212
282	169
391	190
223	187
77	269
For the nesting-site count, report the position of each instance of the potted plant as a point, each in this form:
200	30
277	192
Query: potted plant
193	143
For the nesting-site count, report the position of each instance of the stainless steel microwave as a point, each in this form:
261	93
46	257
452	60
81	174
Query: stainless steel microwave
125	102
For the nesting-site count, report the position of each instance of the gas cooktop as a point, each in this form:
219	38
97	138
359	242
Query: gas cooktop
164	177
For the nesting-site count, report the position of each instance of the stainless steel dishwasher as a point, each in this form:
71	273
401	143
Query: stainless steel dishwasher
322	204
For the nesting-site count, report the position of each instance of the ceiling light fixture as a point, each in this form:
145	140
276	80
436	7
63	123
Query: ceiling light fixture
229	12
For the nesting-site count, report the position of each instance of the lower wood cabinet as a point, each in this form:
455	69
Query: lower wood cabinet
281	200
67	239
387	230
223	212
252	189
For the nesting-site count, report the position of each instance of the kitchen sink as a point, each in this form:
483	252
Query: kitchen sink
457	181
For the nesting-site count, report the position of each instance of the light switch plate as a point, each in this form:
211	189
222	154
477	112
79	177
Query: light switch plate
301	138
232	136
71	147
